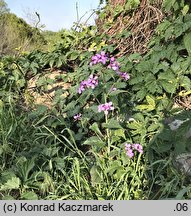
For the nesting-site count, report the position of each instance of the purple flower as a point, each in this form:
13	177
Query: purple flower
124	75
113	64
82	87
105	107
99	58
92	82
77	117
130	148
138	147
130	153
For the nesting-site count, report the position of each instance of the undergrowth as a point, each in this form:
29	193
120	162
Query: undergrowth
111	137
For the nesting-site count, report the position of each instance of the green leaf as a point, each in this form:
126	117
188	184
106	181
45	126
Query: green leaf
24	167
119	85
113	166
187	42
180	195
145	107
74	55
120	133
141	94
186	83
132	4
12	183
59	62
94	140
153	127
70	106
7	197
168	4
168	75
120	172
151	104
185	10
51	63
29	196
136	80
116	92
41	109
168	86
112	124
163	26
135	125
150	101
95	128
118	10
95	173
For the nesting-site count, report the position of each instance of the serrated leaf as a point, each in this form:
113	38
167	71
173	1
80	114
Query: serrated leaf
167	76
141	94
136	80
12	183
163	26
168	87
119	85
70	106
187	42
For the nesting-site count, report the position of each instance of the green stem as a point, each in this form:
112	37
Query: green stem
107	131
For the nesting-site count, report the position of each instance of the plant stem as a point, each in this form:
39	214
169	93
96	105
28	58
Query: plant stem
108	135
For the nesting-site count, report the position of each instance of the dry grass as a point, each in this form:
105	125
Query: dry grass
34	96
183	102
141	22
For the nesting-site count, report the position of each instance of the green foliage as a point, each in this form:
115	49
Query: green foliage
47	154
17	36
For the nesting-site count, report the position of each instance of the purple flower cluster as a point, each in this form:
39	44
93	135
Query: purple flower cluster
105	107
77	117
131	147
91	82
124	75
113	64
99	58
